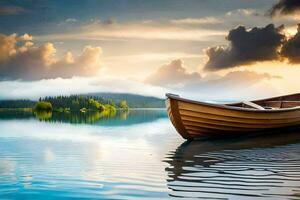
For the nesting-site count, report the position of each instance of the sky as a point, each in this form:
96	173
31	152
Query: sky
199	49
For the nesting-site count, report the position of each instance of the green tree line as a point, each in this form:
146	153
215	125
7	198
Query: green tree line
78	103
66	104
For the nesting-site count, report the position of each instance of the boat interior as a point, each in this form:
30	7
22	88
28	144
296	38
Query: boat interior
288	101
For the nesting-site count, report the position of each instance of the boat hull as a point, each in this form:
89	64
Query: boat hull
197	119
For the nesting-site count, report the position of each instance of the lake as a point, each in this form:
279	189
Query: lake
138	155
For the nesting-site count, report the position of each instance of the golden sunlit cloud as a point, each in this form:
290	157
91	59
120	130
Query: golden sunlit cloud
172	74
20	59
175	76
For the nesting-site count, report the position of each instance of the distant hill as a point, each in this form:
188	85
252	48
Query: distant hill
133	100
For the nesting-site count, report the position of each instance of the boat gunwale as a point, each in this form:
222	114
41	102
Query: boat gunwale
229	107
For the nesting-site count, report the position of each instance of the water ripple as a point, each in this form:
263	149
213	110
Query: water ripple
261	168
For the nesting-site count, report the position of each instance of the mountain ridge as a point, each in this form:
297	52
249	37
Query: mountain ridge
133	100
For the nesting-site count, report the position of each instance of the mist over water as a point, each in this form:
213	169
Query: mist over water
139	155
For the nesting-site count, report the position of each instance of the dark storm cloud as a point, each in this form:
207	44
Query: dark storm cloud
291	49
285	7
246	47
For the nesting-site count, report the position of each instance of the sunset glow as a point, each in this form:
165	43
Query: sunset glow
135	42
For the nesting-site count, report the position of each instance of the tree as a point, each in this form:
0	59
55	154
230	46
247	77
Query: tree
43	106
75	105
123	105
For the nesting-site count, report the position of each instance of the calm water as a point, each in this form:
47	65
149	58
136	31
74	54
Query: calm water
138	155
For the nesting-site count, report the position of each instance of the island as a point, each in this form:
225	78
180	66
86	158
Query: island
74	108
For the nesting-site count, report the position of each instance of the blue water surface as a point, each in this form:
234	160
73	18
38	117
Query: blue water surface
139	155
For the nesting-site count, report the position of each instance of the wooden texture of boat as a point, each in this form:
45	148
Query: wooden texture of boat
195	119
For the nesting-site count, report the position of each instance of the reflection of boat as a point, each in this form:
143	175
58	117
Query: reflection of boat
193	119
262	166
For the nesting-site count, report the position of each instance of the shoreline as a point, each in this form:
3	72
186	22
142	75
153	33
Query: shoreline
16	109
31	110
145	109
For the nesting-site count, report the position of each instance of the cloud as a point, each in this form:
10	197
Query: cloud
246	47
234	79
242	13
285	7
172	74
197	21
175	78
21	59
76	85
151	30
71	20
11	10
291	49
7	46
236	85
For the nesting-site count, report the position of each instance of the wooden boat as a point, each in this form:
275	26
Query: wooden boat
196	119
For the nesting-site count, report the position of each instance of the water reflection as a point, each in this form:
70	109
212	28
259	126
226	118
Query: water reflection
119	118
43	115
260	168
120	157
15	114
54	160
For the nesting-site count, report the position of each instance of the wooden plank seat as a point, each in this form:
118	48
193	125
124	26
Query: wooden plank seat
252	105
